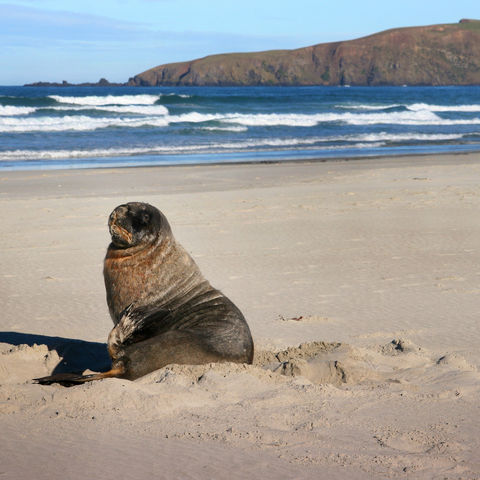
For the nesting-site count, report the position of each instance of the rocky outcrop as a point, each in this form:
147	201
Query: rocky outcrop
103	82
431	55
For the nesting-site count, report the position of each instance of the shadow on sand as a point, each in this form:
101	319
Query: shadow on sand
75	355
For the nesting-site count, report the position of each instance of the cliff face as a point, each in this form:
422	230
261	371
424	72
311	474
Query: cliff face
432	55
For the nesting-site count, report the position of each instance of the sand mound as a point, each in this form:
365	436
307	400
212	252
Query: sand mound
320	363
316	362
19	364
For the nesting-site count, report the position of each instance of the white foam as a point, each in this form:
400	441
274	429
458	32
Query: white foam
127	109
108	100
181	95
228	122
59	154
138	109
399	137
154	150
235	120
354	142
368	107
397	118
18	155
414	107
444	108
196	117
225	129
98	152
11	110
421	117
271	119
76	123
274	119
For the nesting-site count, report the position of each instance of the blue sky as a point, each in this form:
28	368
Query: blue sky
84	40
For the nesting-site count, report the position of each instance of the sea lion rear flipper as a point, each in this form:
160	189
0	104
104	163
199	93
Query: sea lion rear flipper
70	379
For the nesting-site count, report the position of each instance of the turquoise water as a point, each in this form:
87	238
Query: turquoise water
71	127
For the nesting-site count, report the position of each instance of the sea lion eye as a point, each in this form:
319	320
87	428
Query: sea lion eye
145	217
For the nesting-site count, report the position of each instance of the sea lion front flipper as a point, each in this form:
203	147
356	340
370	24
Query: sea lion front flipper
136	325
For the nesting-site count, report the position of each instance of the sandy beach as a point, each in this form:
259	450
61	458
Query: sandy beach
360	281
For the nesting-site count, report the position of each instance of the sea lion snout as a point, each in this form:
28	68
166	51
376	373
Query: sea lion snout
118	213
120	229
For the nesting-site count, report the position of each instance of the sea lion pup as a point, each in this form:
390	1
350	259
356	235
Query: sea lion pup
163	309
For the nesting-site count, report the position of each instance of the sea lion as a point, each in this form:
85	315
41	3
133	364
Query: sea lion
163	309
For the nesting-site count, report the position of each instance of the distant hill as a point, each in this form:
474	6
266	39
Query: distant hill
431	55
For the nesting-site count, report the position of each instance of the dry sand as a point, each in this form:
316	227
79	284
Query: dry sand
371	266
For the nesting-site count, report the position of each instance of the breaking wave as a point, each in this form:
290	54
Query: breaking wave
10	110
160	150
348	141
107	100
414	107
75	123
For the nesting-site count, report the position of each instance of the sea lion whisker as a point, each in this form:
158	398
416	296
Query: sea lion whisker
122	232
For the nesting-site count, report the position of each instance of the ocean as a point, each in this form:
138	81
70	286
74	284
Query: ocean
85	127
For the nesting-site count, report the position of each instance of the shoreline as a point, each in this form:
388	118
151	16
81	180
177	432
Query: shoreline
273	161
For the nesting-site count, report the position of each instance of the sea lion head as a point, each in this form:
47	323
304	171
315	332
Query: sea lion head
136	223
